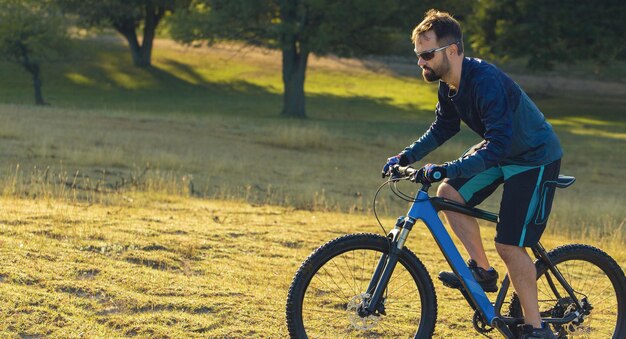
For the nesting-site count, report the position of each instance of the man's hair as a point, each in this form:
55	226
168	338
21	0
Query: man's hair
446	28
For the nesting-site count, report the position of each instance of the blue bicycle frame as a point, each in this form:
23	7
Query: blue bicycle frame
422	209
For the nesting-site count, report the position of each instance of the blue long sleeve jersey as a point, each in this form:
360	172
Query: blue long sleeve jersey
496	108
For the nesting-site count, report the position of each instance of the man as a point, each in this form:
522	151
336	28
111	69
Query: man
520	150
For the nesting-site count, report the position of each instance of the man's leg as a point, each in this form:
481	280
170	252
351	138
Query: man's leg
464	226
523	275
525	207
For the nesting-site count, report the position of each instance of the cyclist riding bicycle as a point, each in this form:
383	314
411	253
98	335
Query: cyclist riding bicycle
519	150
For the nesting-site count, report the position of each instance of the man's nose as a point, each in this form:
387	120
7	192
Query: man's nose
421	62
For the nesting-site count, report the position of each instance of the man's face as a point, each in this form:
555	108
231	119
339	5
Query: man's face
439	65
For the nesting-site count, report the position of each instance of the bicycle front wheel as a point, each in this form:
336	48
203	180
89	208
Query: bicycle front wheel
598	282
330	286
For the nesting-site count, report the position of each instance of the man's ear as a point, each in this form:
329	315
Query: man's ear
454	50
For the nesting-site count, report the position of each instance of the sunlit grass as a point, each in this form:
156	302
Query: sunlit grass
157	265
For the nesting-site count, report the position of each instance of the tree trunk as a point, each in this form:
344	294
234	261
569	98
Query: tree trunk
128	30
142	53
37	85
33	68
153	16
295	57
294	70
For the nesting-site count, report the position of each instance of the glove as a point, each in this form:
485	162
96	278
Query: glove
399	159
430	174
390	162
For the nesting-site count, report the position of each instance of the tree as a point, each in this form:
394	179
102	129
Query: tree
29	33
126	17
299	28
549	32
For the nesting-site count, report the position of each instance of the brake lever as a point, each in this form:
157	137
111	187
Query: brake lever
394	173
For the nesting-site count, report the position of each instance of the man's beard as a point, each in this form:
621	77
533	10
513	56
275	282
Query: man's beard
434	75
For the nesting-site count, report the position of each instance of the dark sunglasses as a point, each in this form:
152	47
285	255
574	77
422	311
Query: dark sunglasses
429	54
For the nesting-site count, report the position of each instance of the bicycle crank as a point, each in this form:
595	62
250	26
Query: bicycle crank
480	324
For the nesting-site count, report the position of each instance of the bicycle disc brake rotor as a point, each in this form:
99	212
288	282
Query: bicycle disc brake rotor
577	327
359	322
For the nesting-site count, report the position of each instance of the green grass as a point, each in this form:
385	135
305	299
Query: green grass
104	174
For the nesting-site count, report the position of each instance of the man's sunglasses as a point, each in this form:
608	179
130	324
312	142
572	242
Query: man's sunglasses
429	54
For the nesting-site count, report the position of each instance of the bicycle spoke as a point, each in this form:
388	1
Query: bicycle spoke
363	271
333	280
399	287
342	275
354	290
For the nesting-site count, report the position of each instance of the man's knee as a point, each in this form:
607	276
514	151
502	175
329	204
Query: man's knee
446	191
510	252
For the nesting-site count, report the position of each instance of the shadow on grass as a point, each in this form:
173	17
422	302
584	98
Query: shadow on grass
107	80
104	78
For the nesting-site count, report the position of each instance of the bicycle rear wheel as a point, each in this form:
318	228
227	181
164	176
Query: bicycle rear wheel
331	284
598	282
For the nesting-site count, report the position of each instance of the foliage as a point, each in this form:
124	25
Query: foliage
549	32
344	28
30	32
30	29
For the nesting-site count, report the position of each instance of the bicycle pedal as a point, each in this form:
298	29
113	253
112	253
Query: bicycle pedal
449	285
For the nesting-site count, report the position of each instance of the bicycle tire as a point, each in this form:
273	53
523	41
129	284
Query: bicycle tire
578	264
324	257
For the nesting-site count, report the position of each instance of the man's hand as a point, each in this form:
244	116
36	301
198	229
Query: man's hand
390	162
399	159
430	173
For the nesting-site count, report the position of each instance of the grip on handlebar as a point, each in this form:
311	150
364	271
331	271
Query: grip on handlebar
402	171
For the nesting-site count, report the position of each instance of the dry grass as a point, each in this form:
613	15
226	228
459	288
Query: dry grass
299	136
317	164
153	265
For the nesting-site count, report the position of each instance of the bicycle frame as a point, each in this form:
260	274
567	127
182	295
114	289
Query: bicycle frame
425	208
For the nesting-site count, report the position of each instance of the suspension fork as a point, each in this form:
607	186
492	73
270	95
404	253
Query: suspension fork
387	263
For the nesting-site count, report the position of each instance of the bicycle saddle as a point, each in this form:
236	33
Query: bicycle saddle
564	181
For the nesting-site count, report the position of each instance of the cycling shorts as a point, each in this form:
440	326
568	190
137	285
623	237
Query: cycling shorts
526	199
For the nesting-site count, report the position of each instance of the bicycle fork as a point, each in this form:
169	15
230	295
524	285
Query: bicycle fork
386	264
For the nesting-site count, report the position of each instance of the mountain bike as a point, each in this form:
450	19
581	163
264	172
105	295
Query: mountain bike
368	285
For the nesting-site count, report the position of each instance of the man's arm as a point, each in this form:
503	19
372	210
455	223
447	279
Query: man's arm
447	124
496	114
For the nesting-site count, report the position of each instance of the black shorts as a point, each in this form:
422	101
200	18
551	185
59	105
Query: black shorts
526	199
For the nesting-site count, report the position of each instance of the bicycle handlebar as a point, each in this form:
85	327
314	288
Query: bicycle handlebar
400	172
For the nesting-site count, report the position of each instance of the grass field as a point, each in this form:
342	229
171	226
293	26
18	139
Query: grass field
99	235
160	266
